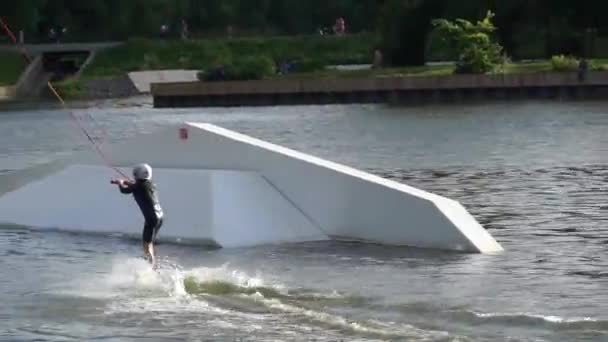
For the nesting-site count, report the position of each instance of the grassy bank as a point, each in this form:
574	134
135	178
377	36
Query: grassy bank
250	55
76	88
315	52
144	54
70	89
11	67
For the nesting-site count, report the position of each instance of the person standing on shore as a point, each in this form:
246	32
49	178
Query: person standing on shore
583	68
184	31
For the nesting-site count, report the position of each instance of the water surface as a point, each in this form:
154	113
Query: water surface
533	173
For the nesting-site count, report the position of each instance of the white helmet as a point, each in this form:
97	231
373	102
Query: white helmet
142	172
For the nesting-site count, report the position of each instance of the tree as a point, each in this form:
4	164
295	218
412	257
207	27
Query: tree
478	52
405	27
21	15
253	14
525	27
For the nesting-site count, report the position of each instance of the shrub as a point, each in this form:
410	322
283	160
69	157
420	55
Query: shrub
70	88
564	63
308	65
138	54
151	62
251	68
599	67
243	69
477	50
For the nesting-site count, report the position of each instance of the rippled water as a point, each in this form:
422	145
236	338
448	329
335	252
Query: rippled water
534	174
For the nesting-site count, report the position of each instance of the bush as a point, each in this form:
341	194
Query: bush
70	88
478	52
151	62
308	65
202	75
599	67
251	68
243	69
564	63
137	54
439	49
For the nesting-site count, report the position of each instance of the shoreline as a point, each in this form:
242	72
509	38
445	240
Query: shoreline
147	101
405	90
74	104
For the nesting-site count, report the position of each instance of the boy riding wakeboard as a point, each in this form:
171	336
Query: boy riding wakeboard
145	195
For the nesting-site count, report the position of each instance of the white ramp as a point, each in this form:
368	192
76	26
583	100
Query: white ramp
225	208
262	193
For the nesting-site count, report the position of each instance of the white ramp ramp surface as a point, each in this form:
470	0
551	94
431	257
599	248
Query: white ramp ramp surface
225	208
258	192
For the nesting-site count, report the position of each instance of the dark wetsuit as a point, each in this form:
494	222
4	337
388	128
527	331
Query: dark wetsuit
145	195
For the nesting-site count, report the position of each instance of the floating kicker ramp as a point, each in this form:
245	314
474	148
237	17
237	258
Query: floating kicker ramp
231	190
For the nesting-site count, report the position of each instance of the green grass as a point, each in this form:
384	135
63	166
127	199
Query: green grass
444	69
145	54
70	88
430	70
11	67
528	67
545	66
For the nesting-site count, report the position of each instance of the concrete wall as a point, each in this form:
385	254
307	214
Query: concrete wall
378	84
7	93
29	81
144	79
395	90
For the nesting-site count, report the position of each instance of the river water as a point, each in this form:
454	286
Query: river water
533	173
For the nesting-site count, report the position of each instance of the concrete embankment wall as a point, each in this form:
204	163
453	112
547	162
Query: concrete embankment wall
29	82
143	79
7	93
380	90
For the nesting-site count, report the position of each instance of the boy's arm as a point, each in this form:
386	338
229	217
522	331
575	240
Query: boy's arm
125	186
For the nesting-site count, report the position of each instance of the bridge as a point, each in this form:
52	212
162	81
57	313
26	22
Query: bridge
52	62
38	49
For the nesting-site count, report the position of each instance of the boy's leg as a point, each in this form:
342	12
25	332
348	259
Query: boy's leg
156	229
147	237
148	251
159	223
